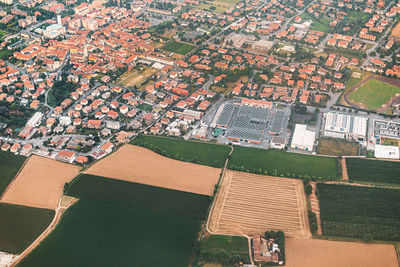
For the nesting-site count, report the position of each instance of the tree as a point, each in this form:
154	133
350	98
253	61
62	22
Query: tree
308	189
367	237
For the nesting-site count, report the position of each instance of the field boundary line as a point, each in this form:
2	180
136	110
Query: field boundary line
15	178
57	216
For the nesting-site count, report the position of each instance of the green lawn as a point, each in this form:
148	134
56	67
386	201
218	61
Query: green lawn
373	94
376	171
321	25
9	166
20	226
178	47
197	152
280	163
117	223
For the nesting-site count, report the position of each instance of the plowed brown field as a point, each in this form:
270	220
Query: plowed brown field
141	165
249	204
317	253
40	183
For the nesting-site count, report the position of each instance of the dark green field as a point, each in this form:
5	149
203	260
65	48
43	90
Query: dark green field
233	248
354	211
116	223
279	163
373	170
196	152
9	166
20	226
178	47
139	196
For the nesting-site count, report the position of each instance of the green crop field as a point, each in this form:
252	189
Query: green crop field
117	223
355	211
20	226
9	167
280	163
96	233
191	151
373	170
373	94
139	196
178	47
234	249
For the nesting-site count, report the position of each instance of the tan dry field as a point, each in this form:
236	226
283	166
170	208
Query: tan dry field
249	204
40	183
141	165
317	253
133	77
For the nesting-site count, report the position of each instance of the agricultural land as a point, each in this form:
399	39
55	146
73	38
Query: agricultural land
278	163
249	204
147	167
375	171
40	183
191	151
20	226
9	167
366	213
135	219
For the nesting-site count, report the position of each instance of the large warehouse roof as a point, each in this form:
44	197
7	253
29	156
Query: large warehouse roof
303	138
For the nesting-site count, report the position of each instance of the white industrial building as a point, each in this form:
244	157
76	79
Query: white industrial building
386	152
303	138
35	120
345	126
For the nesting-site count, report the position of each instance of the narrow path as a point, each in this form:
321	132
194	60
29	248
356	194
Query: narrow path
315	207
345	176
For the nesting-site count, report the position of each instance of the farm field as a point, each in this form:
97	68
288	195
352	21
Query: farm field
279	163
360	212
378	171
178	47
192	151
373	94
150	168
336	147
252	204
20	226
317	253
40	183
138	195
9	167
96	233
135	77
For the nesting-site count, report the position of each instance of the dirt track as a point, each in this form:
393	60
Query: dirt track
141	165
345	176
40	183
249	204
317	253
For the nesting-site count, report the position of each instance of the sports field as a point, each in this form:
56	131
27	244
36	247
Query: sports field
317	253
377	171
9	166
373	94
135	77
141	165
192	151
40	183
178	47
336	147
251	204
116	223
279	163
20	226
360	212
217	6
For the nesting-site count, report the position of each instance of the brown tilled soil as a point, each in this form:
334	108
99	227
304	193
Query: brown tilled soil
345	176
40	183
141	165
323	253
249	204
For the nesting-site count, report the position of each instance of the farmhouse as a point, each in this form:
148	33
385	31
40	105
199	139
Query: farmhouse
303	138
345	126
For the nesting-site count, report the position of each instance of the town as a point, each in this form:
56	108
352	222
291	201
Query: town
83	80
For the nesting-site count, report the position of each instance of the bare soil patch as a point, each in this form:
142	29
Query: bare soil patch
316	253
40	183
141	165
249	204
